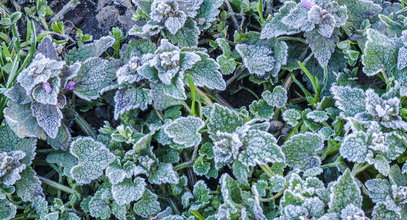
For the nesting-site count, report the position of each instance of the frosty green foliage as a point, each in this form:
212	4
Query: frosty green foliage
277	98
349	100
130	98
256	58
48	117
94	49
64	160
300	151
164	174
318	116
380	53
127	191
147	205
93	159
378	189
29	186
9	142
10	166
352	211
261	109
359	10
354	147
291	116
95	77
345	192
185	131
276	27
7	209
223	119
321	46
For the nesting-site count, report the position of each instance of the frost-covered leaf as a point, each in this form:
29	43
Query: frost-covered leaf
275	27
278	98
99	208
130	98
291	116
64	160
94	49
185	130
300	149
48	118
207	13
7	210
147	205
95	77
344	192
354	147
11	166
93	159
297	18
402	58
261	149
187	36
380	53
359	10
352	211
350	100
201	167
127	191
241	172
29	186
165	173
321	46
223	119
256	58
226	64
206	73
10	142
175	23
318	116
280	49
378	189
381	164
261	109
47	48
160	100
382	211
63	139
21	121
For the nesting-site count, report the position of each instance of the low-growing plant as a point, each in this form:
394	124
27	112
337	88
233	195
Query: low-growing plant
207	109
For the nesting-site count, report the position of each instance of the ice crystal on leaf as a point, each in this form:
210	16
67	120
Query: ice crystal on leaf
185	131
93	159
345	192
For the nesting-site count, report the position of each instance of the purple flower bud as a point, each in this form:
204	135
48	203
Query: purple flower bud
306	3
47	87
70	86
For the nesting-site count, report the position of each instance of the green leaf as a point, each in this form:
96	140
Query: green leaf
95	77
127	191
21	121
147	205
345	191
256	58
278	98
187	36
29	186
206	73
275	27
164	174
300	151
378	189
354	147
382	211
64	160
260	109
318	116
321	46
99	208
291	116
226	65
88	51
201	167
185	131
207	13
48	117
130	98
7	210
349	100
241	172
93	159
10	142
379	55
223	119
261	149
359	10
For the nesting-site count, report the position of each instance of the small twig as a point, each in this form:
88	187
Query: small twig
57	185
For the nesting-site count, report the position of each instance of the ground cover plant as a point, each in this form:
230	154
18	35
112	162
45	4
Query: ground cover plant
203	109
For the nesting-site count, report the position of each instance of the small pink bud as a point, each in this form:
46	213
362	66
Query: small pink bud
306	3
47	87
70	86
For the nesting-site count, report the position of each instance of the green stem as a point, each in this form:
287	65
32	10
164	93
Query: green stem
288	38
85	126
358	169
57	185
192	88
267	170
260	11
197	215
